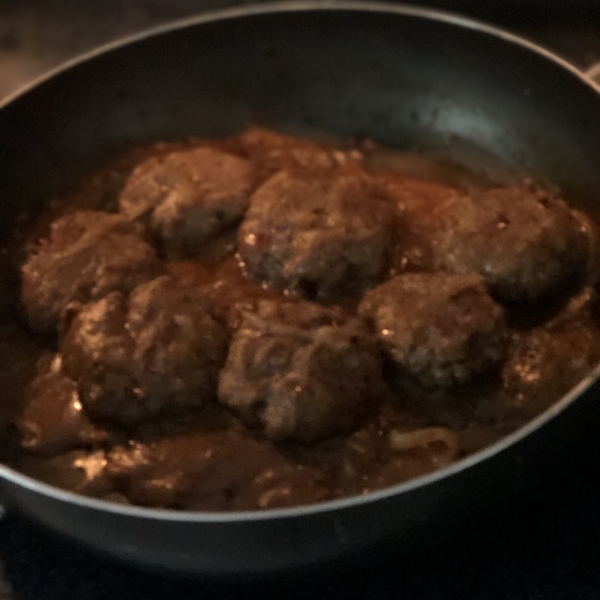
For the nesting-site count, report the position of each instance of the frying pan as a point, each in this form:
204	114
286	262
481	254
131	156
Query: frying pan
409	78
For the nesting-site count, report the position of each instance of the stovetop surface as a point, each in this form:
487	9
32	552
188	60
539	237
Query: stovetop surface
549	548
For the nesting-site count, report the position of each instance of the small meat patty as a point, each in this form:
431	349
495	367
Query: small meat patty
525	243
548	361
189	197
300	371
323	237
271	152
87	255
440	328
158	352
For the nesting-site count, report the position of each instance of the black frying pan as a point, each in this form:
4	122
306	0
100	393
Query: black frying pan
408	78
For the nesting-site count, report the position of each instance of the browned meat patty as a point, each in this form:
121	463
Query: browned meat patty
210	470
440	328
158	352
189	197
322	237
86	256
52	421
548	361
300	371
525	243
271	152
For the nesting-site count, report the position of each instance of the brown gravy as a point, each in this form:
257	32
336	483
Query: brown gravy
208	460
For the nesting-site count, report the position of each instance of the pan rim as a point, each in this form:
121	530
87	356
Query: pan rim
299	6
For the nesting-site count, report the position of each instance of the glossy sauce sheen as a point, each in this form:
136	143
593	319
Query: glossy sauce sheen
206	459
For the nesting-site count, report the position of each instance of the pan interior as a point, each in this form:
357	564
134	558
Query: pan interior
412	83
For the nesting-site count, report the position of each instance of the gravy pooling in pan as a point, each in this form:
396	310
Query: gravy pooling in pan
265	321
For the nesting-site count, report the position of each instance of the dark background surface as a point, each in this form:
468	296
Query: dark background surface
546	548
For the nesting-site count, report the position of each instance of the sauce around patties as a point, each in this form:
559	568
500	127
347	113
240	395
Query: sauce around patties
298	323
